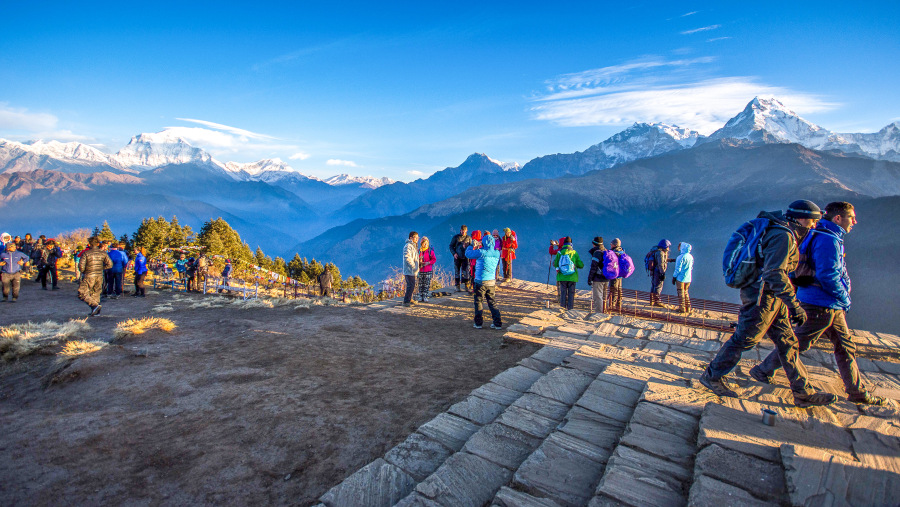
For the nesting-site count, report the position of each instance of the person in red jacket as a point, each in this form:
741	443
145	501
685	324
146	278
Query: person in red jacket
476	236
508	252
555	247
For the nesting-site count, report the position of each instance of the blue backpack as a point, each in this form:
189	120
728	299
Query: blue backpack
610	265
740	263
626	265
566	265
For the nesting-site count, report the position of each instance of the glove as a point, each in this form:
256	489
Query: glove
798	316
590	283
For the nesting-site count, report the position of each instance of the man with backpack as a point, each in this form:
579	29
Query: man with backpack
823	289
596	279
769	304
567	262
656	262
458	248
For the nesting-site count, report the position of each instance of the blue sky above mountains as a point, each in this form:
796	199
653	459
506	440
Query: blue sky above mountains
404	89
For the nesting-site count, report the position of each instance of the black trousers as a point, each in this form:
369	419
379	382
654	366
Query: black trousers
459	265
567	295
485	293
46	271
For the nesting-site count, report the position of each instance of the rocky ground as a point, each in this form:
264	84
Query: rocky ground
239	404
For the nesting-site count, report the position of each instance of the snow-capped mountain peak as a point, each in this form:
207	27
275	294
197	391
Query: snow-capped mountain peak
148	151
770	120
363	181
506	166
65	151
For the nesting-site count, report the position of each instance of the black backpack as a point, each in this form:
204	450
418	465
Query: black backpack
650	260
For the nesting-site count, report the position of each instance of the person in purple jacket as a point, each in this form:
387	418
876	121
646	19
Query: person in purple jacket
427	258
826	299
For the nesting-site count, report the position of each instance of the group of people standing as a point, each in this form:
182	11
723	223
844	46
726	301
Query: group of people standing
101	265
24	257
194	270
464	268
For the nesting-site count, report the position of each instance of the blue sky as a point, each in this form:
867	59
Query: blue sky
405	89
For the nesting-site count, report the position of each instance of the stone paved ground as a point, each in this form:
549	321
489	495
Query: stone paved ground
609	412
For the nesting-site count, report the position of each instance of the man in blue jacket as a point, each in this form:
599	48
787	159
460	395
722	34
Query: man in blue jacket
486	260
116	273
11	265
826	300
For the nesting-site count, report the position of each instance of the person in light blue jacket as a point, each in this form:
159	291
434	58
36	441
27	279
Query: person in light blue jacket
684	266
486	260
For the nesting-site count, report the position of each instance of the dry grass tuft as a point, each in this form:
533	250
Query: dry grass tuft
142	325
253	303
165	307
77	348
20	340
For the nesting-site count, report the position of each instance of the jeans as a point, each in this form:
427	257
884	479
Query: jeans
599	289
832	324
485	293
755	321
657	281
410	287
460	264
11	284
567	295
114	283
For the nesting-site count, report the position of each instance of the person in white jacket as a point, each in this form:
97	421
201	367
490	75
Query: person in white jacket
410	266
684	266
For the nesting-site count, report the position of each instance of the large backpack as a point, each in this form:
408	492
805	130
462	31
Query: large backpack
626	265
566	264
650	261
743	253
610	265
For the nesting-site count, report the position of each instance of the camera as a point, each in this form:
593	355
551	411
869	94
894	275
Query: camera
553	242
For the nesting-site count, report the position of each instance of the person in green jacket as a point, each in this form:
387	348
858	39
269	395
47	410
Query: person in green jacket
566	273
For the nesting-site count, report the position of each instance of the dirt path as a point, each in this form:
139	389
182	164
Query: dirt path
271	405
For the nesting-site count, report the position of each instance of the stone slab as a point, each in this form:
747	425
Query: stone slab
498	394
449	430
888	367
684	399
586	364
763	478
666	470
416	500
666	419
604	339
593	428
562	384
709	492
574	314
517	378
551	409
547	316
677	329
877	450
606	329
660	372
418	456
670	339
815	477
698	344
638	487
527	421
631	343
744	432
707	334
378	484
507	497
552	355
534	364
611	400
503	445
556	470
526	329
660	444
633	333
578	329
477	410
464	480
656	348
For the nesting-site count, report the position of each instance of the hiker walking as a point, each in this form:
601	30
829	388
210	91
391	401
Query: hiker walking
49	255
823	289
486	259
458	249
411	266
12	265
769	304
684	267
140	270
92	264
427	258
510	243
567	262
600	258
656	262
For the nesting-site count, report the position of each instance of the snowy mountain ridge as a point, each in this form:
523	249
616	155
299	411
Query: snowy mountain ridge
364	181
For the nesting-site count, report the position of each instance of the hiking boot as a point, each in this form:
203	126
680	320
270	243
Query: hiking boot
95	310
865	398
476	326
759	376
13	300
496	327
814	400
718	387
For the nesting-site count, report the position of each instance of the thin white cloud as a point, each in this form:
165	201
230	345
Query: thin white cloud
415	173
22	119
689	14
641	94
714	39
348	163
299	156
701	29
232	130
205	138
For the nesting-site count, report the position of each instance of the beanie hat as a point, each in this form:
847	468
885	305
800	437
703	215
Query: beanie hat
803	209
664	244
616	242
476	235
598	241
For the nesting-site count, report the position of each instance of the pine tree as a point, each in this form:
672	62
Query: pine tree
129	246
279	266
106	234
232	246
214	245
151	236
314	269
95	232
176	237
295	267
